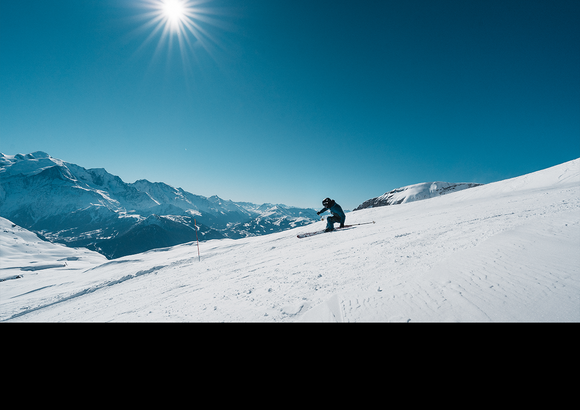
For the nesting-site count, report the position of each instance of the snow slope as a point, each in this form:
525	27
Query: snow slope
506	251
22	251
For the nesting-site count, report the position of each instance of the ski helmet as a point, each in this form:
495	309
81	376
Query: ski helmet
327	202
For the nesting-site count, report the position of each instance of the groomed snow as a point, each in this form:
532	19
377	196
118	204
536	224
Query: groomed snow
507	251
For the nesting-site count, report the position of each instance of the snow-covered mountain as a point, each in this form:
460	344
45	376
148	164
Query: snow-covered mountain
415	192
69	204
501	252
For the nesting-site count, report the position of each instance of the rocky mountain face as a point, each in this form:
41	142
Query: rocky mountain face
91	208
415	192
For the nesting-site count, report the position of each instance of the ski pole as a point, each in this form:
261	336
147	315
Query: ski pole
362	223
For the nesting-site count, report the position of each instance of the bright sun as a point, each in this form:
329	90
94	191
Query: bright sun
174	11
186	23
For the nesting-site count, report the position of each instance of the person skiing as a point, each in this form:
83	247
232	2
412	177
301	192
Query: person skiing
336	211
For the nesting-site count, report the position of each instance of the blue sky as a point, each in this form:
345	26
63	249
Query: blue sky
291	101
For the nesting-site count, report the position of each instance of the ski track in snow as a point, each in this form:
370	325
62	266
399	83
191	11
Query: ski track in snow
500	252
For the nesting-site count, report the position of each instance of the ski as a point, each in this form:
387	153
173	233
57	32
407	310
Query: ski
309	234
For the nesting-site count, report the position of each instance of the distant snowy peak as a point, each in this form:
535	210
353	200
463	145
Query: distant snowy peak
5	159
29	164
417	192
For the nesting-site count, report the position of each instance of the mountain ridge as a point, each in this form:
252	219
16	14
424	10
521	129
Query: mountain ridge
69	204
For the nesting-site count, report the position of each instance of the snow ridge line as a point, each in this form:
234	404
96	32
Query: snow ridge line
88	291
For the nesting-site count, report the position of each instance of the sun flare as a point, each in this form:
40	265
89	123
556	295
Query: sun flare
187	24
176	17
174	11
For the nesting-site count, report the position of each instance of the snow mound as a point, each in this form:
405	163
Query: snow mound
417	192
23	251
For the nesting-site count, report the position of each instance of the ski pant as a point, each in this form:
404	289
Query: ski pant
331	220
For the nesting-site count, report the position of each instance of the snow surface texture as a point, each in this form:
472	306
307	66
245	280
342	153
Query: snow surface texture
506	251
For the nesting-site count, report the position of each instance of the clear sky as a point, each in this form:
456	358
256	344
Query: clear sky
291	101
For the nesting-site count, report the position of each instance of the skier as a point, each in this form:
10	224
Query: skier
336	211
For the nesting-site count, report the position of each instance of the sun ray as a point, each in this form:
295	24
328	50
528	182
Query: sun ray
180	22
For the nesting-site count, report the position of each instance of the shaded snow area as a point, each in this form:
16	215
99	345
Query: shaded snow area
506	251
